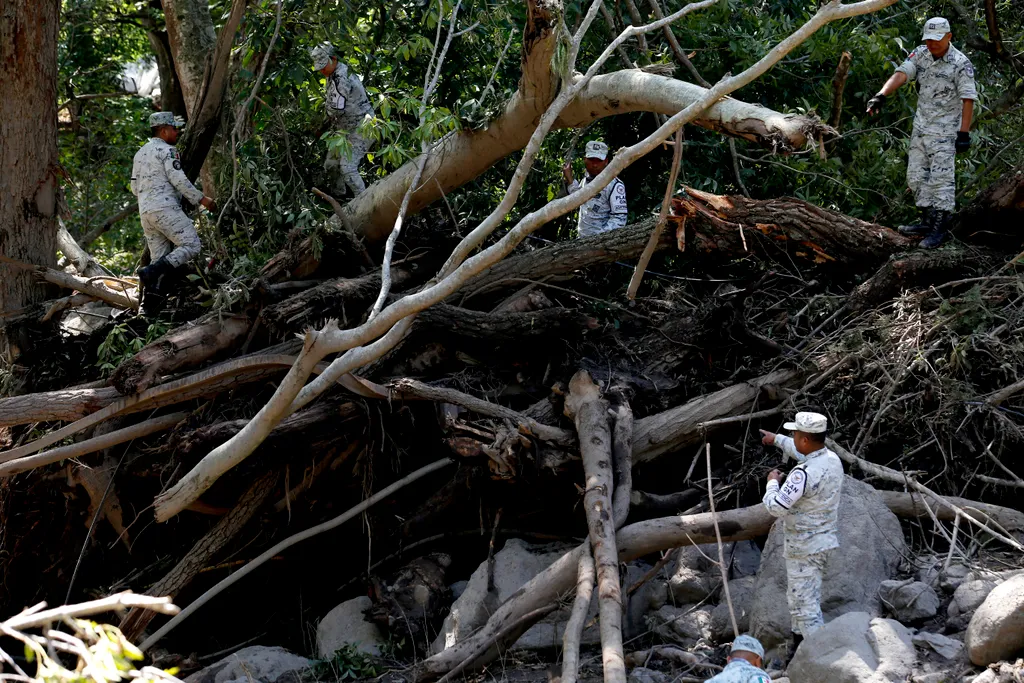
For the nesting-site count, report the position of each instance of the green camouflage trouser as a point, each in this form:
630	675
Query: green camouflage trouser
170	233
804	594
344	169
931	171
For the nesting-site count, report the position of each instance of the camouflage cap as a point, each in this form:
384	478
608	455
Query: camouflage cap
321	55
808	423
165	118
747	643
596	150
936	28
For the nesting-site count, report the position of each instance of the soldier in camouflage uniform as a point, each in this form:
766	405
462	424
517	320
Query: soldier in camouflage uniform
945	108
607	209
347	106
745	661
808	504
159	183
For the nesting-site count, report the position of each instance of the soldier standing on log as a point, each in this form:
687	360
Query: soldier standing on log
347	106
942	124
160	183
808	504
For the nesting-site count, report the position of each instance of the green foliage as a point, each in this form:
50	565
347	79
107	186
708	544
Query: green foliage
347	663
122	342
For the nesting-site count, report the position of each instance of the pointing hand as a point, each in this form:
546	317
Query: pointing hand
767	438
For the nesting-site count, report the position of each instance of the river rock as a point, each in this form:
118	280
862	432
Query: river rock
255	664
968	597
948	648
909	601
347	625
871	545
855	648
686	625
996	630
742	592
514	565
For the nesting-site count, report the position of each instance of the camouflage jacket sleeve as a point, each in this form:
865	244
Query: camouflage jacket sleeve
788	448
780	499
177	178
964	77
572	187
909	65
617	204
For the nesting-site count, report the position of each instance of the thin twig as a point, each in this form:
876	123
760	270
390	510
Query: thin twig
721	552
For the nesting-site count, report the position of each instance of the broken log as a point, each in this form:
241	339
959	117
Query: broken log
995	214
590	412
64	405
679	427
185	347
203	552
671	503
917	269
912	505
577	618
734	224
446	320
345	299
84	264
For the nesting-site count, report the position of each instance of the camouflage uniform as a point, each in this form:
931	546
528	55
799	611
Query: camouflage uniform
605	211
943	84
808	503
347	106
740	671
159	183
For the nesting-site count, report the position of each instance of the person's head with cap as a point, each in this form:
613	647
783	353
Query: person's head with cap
747	648
809	431
595	157
165	125
937	35
324	58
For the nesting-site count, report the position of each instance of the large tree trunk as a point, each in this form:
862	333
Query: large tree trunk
462	157
191	40
28	153
172	98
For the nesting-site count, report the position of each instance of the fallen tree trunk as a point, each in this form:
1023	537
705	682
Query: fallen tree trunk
919	268
64	405
913	505
679	427
590	412
734	224
345	299
562	258
995	214
445	320
184	347
203	552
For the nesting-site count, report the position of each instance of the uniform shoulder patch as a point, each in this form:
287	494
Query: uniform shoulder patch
793	488
969	69
177	165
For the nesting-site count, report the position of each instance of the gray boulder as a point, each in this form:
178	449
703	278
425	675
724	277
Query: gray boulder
996	630
968	597
641	674
855	648
871	546
695	576
745	559
686	625
515	564
909	601
346	625
256	664
742	593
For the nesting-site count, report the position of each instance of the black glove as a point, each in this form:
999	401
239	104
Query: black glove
963	141
876	103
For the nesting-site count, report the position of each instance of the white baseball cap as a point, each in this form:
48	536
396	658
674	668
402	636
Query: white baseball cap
936	28
808	423
747	643
596	150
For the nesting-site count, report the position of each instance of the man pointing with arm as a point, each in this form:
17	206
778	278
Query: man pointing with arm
807	501
942	124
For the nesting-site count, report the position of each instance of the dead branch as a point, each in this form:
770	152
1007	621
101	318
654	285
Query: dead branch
838	87
577	618
204	551
585	405
407	387
97	443
253	564
722	568
34	617
622	457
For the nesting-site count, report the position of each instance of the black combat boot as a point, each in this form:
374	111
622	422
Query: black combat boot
153	276
940	229
923	226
